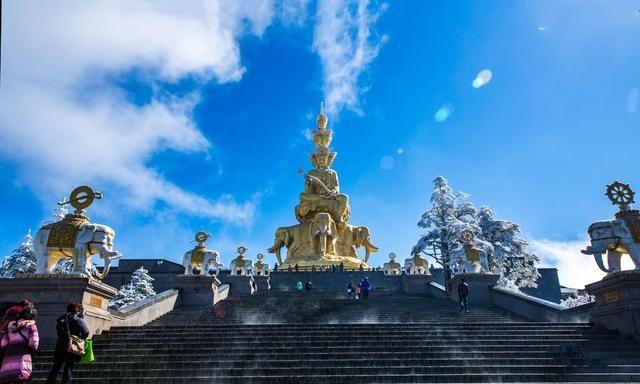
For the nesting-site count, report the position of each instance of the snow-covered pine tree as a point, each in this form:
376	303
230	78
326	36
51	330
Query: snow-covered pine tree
450	214
510	257
58	214
140	287
578	299
22	260
65	265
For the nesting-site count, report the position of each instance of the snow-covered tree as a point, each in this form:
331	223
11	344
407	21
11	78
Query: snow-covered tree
21	260
510	256
578	299
450	214
65	265
139	287
58	214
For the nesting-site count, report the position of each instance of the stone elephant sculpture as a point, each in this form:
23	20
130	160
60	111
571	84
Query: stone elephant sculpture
615	237
470	260
261	268
416	265
203	259
323	233
362	237
242	267
75	238
392	267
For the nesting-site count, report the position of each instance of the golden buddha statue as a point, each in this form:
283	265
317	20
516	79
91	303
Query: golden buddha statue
323	236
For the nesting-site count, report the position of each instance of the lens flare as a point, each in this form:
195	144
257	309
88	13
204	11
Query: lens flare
483	78
443	113
400	151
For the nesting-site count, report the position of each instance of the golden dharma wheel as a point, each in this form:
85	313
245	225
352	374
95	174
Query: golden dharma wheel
202	237
467	236
82	197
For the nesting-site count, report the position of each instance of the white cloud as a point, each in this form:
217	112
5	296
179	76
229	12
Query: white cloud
346	42
574	268
64	124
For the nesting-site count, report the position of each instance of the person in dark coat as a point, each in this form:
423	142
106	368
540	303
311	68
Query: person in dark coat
78	327
365	287
463	295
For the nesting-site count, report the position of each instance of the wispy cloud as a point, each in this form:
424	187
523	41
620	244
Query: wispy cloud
61	133
346	41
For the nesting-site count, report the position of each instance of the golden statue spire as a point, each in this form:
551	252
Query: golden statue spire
321	121
323	235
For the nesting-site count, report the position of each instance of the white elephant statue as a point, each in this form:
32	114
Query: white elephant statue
261	268
615	237
203	260
213	263
74	237
392	267
469	260
241	266
416	265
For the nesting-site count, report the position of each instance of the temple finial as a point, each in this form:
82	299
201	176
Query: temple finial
321	121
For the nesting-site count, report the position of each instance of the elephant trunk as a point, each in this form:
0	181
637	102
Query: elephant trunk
108	256
598	257
105	270
278	257
322	237
368	249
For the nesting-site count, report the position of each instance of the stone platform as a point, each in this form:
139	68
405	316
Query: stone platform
52	293
338	281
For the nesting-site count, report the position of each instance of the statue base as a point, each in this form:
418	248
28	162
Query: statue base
480	285
239	285
617	302
263	283
52	293
200	291
349	263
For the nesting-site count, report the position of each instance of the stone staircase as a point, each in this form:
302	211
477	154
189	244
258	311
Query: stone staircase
322	337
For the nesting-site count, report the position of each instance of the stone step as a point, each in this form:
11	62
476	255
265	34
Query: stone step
253	363
360	369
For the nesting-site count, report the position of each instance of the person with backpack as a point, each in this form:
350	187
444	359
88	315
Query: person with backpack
19	342
365	286
463	295
72	330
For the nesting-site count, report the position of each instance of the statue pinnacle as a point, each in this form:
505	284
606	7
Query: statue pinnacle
322	120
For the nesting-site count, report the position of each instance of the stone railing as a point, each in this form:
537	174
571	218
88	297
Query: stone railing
145	311
536	309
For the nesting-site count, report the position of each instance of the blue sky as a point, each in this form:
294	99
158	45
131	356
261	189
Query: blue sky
193	116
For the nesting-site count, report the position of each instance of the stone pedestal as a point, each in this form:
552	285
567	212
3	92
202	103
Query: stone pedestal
263	283
198	291
480	285
239	286
416	284
618	302
52	293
